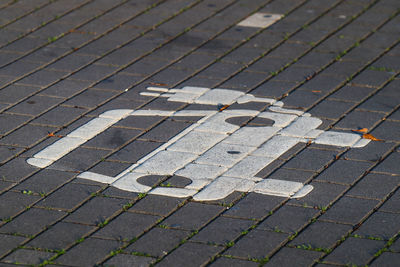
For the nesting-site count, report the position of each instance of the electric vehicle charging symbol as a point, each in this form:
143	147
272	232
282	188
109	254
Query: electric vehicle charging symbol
218	157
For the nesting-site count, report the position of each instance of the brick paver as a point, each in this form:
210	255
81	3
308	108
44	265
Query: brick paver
65	62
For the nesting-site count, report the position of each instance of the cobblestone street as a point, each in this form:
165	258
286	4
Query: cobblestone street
200	133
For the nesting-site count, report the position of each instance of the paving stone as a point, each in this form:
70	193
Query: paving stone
128	260
96	211
371	152
89	252
13	203
44	181
196	254
113	138
90	98
293	175
157	205
374	186
43	78
380	103
26	256
60	236
287	256
9	242
302	99
16	170
387	131
380	225
32	221
27	135
69	196
257	244
344	171
254	206
8	152
65	88
186	217
349	210
15	93
222	261
158	241
165	131
109	168
354	251
244	80
273	89
127	226
5	186
331	109
119	82
389	165
392	204
321	196
311	159
390	89
19	68
35	105
386	259
321	235
352	93
93	72
359	119
279	220
79	160
222	231
371	78
59	116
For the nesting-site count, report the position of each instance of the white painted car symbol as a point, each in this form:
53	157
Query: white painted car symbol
218	157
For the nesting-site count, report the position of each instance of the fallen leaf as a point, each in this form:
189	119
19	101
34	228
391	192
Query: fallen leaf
53	135
362	130
222	107
371	137
158	84
316	91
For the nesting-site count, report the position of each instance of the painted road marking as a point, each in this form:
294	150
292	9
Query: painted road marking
219	157
260	20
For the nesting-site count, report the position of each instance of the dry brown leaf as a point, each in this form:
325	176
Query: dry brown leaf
316	91
53	135
158	84
363	130
223	107
371	137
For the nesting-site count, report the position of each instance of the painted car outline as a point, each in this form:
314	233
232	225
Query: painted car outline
231	171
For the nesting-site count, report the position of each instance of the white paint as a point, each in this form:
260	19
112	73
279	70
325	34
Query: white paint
223	186
224	154
93	128
251	136
219	96
201	171
197	142
276	146
278	187
217	156
260	20
165	162
301	126
60	148
341	139
97	177
248	167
